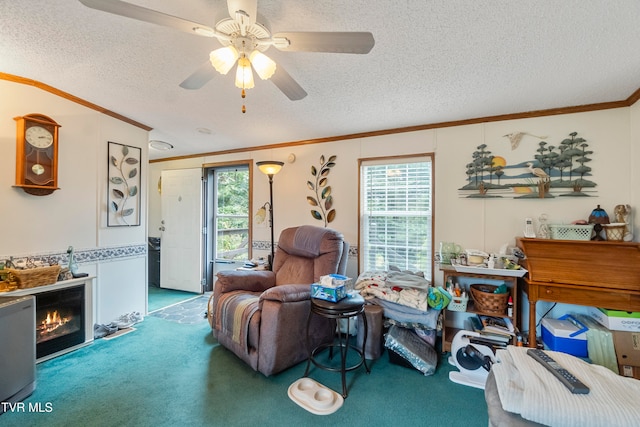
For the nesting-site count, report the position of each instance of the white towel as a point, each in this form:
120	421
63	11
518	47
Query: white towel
527	388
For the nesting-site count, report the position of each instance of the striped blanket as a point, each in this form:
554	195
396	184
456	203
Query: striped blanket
234	313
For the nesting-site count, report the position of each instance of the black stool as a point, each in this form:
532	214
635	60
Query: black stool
346	308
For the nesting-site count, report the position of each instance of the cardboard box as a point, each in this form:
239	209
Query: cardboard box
616	320
627	345
333	294
564	336
630	371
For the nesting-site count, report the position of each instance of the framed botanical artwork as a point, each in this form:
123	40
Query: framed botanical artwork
123	195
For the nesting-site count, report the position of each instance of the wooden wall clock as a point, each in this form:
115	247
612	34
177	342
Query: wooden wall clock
37	154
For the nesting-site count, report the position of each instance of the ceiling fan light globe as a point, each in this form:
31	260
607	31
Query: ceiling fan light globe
244	74
223	59
264	66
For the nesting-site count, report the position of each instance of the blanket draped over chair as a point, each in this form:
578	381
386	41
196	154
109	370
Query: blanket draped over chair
261	316
234	313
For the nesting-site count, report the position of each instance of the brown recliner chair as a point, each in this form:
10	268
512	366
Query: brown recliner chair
261	316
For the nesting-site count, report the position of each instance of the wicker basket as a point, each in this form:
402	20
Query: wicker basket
615	232
488	302
571	232
7	286
34	277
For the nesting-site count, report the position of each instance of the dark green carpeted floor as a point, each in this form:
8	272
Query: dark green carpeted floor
170	374
161	297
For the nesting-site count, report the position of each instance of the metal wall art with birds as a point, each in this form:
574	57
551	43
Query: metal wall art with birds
516	137
555	170
322	203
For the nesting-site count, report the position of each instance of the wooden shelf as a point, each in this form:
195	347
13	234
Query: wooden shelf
448	331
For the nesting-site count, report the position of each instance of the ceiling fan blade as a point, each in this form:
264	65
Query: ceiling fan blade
249	7
287	85
200	77
336	42
129	10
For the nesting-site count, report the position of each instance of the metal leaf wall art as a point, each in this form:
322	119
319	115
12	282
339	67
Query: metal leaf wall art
124	184
322	203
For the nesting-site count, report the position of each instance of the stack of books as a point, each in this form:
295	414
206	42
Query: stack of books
498	331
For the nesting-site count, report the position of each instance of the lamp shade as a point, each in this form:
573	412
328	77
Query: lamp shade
598	216
269	167
244	74
223	59
261	215
264	66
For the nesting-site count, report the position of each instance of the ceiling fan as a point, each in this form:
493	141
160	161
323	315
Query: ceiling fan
243	40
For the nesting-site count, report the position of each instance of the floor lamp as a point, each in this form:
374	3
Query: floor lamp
270	168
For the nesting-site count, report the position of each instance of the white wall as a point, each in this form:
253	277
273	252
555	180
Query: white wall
75	215
488	223
613	135
634	155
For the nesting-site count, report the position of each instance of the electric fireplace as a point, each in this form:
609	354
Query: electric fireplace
64	316
60	320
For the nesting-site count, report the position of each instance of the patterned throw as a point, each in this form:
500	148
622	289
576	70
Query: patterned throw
234	312
401	288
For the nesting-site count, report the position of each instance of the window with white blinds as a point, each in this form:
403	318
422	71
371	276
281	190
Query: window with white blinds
396	214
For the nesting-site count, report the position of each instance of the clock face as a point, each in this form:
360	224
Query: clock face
39	137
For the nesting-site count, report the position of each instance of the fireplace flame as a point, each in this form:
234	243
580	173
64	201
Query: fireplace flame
52	322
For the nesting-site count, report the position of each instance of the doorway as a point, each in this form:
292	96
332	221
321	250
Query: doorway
182	231
227	217
206	216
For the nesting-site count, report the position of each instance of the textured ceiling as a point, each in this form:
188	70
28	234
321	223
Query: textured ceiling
433	61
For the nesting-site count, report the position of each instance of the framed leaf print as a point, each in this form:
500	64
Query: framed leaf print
123	195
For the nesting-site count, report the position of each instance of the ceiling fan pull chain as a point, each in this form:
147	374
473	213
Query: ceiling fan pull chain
244	95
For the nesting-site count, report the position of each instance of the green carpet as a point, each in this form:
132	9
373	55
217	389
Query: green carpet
170	374
161	297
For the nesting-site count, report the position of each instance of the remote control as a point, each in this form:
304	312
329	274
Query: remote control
574	385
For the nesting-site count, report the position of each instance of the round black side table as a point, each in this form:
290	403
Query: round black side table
346	308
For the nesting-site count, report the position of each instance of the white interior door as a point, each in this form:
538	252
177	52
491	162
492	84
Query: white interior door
181	248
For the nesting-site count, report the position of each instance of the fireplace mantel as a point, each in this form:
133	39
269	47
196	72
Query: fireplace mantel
89	307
